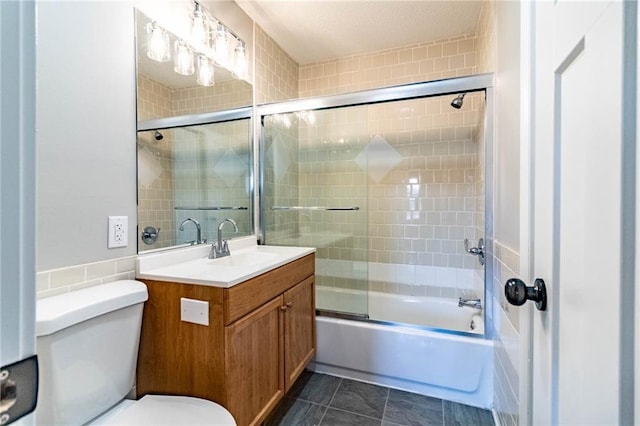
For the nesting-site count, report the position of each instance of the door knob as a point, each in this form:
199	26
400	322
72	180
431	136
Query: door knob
517	293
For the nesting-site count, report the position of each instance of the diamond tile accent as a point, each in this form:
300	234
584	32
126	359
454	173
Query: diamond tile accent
230	167
378	158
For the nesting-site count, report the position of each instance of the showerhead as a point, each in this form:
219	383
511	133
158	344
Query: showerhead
457	102
159	136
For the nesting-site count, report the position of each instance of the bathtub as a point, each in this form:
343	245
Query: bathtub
433	312
448	365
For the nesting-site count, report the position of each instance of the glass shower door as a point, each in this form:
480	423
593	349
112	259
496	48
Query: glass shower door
315	195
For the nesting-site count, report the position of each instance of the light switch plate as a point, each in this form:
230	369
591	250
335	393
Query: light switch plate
195	311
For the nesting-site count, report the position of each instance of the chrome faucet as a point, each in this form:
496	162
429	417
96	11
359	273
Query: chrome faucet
199	239
473	303
220	248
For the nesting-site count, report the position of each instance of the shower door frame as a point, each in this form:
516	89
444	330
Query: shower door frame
475	83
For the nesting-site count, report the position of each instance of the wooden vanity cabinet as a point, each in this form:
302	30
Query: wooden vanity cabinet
260	337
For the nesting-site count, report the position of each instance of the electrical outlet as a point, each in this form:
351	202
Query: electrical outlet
118	231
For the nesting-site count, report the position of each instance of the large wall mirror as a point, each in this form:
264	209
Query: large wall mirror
193	146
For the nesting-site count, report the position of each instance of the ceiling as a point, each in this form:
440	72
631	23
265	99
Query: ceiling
317	30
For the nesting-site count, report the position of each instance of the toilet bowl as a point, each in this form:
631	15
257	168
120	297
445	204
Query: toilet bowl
87	345
165	410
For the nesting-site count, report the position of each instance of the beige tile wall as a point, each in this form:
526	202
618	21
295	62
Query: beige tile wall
434	60
276	73
153	98
219	97
155	189
58	281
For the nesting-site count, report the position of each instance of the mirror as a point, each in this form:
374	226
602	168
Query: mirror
192	176
163	93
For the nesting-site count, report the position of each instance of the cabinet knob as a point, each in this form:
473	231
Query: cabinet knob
286	306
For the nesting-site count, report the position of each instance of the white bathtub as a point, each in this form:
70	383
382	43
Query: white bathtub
443	365
432	312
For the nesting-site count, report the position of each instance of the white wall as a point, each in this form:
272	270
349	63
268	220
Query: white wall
86	129
86	122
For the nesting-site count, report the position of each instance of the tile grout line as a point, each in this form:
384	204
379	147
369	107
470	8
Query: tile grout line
330	401
386	402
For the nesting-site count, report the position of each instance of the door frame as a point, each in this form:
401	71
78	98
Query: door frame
17	183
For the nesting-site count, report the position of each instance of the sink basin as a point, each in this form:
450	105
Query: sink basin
191	265
244	259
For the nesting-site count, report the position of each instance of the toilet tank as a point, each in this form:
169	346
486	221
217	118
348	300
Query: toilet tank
87	346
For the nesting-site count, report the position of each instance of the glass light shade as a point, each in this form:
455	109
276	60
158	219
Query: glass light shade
205	71
183	59
199	29
157	43
240	61
221	49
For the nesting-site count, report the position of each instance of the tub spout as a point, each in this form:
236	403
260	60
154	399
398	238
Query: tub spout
473	303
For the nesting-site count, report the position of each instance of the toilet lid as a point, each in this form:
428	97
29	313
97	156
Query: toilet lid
172	410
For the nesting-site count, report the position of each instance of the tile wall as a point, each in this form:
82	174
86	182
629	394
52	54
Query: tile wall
63	280
507	338
434	60
276	73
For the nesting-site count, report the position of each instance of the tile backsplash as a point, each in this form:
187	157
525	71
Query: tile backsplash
63	280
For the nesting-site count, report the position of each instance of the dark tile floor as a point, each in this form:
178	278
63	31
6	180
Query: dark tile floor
322	400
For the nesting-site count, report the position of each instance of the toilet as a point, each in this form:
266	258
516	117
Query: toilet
87	346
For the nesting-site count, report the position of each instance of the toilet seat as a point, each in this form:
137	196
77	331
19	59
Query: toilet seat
166	410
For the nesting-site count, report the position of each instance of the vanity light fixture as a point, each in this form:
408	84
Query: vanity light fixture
220	46
157	43
240	61
199	28
207	44
183	58
205	71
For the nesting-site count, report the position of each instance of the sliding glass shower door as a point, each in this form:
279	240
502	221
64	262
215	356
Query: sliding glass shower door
315	195
390	193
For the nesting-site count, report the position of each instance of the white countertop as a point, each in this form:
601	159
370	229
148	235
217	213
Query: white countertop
191	265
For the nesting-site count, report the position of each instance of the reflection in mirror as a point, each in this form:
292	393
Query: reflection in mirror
163	92
202	173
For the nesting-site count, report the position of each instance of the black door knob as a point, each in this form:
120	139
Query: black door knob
517	293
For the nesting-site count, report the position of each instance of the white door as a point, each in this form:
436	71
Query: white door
578	136
17	204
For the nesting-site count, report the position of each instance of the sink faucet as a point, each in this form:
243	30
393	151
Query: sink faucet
199	239
474	303
220	248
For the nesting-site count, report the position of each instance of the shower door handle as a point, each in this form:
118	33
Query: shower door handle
517	293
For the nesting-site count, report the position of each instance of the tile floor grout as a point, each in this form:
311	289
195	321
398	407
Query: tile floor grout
323	391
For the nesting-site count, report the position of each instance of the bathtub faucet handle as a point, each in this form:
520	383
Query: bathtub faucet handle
476	251
473	303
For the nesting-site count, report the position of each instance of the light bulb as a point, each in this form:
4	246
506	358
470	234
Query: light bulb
221	50
240	65
199	29
205	71
183	60
157	43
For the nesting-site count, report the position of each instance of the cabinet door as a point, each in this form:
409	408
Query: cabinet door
253	359
299	329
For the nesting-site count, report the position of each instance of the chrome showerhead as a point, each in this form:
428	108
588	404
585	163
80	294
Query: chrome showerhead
159	136
457	102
